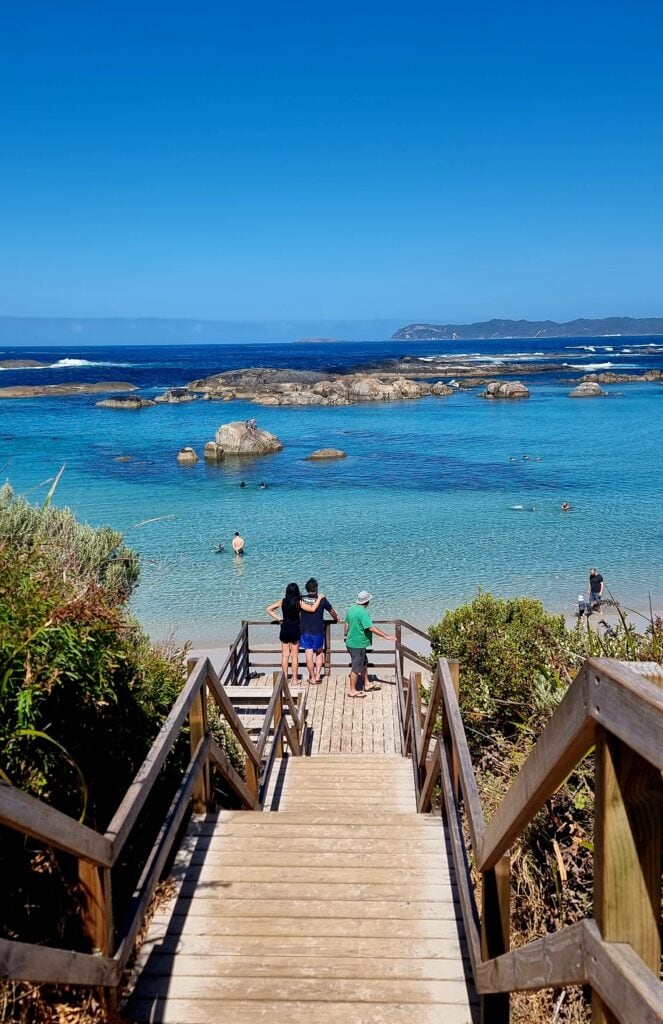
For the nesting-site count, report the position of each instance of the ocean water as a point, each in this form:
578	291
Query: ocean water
422	512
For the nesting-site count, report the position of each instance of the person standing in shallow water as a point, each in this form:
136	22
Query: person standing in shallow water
238	543
313	629
359	633
595	591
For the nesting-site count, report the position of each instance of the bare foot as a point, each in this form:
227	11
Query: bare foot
357	693
369	688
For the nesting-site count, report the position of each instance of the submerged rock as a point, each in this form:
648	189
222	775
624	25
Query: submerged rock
187	457
327	453
246	438
506	389
21	364
63	390
587	390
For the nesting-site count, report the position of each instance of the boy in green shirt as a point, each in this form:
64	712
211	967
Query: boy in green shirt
359	633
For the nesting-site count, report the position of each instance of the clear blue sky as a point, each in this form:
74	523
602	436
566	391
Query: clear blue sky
249	161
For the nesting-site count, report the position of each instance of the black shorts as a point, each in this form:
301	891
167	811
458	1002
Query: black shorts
290	633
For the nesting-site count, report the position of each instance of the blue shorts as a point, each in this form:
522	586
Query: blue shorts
312	641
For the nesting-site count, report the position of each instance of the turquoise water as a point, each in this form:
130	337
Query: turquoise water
420	513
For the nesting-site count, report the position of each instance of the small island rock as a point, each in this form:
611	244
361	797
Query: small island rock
506	389
213	452
124	402
327	453
187	457
587	390
246	438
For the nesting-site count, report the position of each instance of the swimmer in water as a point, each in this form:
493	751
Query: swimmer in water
219	548
242	484
566	507
262	486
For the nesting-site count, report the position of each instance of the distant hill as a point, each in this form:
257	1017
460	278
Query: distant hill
612	326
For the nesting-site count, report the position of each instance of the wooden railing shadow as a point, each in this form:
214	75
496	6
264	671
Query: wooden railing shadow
283	728
617	711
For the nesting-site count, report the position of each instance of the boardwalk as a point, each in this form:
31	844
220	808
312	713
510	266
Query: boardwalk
337	905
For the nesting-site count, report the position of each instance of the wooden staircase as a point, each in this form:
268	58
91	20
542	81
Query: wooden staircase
335	906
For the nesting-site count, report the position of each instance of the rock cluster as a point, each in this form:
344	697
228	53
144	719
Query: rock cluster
63	390
244	438
174	396
506	389
292	387
587	390
621	378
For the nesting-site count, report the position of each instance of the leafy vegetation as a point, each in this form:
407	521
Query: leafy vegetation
516	663
82	696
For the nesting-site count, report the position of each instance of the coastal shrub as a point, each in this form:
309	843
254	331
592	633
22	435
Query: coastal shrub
516	660
83	694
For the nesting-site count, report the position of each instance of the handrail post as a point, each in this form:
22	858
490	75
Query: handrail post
495	932
247	650
627	854
398	648
328	626
454	671
97	910
198	729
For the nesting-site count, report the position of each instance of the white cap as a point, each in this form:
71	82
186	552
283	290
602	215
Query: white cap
363	597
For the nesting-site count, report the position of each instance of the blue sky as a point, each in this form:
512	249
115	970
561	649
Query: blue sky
303	162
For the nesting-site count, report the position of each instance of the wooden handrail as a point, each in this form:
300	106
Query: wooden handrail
97	853
621	711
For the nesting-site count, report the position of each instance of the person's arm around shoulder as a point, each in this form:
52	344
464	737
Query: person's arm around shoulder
271	610
312	607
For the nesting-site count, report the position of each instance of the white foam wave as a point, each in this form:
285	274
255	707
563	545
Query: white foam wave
601	366
82	362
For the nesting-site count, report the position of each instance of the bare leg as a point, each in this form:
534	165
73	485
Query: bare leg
319	659
353	691
285	654
294	654
309	665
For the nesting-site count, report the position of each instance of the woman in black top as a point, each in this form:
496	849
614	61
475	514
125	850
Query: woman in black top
290	632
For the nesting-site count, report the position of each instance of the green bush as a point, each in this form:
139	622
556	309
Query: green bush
516	661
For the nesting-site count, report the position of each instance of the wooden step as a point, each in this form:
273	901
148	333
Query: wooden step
210	1011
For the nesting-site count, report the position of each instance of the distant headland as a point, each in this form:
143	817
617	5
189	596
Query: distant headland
609	327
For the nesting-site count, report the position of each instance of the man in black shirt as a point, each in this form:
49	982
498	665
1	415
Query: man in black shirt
313	630
595	592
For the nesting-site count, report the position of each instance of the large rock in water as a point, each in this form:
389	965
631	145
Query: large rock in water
246	438
587	390
506	389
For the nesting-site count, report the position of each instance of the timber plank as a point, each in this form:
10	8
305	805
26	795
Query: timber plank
401	910
314	989
380	948
327	891
208	1011
372	928
268	965
296	872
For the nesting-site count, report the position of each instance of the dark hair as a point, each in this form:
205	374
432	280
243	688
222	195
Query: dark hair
290	603
311	585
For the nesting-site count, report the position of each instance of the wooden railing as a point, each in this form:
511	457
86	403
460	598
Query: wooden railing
284	723
617	710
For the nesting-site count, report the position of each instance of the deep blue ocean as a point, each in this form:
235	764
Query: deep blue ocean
423	512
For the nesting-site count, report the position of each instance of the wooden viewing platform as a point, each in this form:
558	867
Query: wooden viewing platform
333	891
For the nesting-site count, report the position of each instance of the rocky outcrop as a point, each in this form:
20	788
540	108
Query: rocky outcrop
587	390
213	452
125	402
296	387
187	457
511	389
326	453
22	364
63	390
246	438
622	378
174	396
